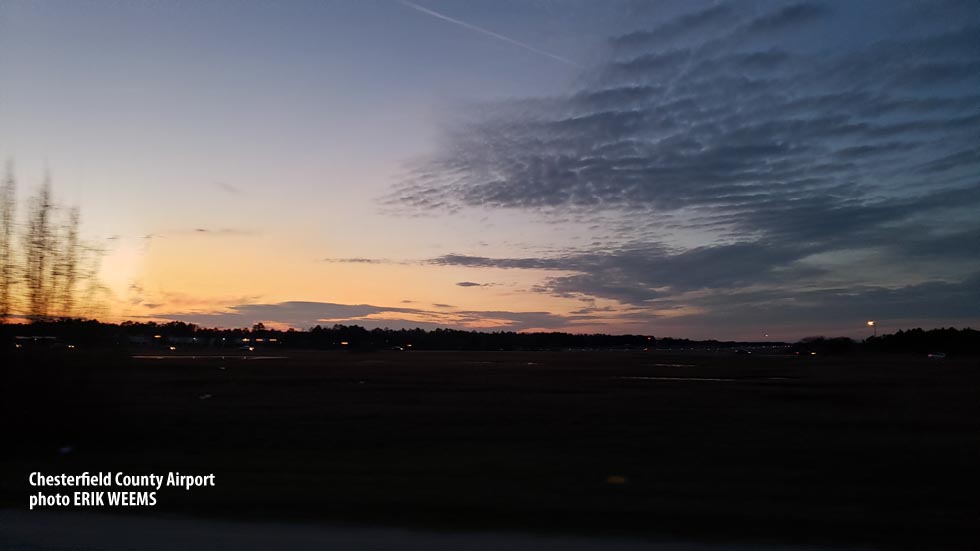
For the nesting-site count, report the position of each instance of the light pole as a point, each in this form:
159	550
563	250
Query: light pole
873	326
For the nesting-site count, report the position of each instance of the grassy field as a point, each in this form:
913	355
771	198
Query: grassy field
878	451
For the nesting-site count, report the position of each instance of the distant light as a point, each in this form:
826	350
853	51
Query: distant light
273	340
871	323
343	343
813	353
259	340
245	339
251	348
173	348
157	336
408	345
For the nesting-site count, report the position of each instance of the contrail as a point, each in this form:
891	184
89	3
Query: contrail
472	27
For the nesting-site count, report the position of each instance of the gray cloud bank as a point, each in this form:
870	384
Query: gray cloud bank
829	172
303	315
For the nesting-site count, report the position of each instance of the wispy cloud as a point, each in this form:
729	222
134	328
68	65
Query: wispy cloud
227	188
222	231
486	32
304	315
810	168
357	260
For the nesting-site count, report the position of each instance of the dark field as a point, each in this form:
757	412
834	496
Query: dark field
877	451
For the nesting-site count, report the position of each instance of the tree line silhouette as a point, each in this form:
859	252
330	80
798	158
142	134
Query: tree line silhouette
951	340
46	270
93	333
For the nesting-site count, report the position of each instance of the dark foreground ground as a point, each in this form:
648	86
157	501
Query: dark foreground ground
713	448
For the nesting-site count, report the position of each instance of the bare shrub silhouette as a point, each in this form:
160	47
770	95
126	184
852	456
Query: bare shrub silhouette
54	273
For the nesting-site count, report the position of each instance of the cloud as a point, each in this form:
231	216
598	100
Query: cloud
722	151
483	262
364	260
227	188
357	260
222	231
709	19
731	133
486	32
304	315
954	301
787	16
471	284
637	274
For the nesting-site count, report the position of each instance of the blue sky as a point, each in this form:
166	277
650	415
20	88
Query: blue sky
701	169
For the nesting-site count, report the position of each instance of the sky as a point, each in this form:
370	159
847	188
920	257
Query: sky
726	169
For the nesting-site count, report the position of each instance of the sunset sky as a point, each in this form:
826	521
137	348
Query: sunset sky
690	169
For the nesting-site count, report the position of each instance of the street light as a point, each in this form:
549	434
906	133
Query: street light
874	326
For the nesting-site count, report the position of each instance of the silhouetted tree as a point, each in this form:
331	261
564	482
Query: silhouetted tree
7	214
38	249
65	276
54	271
